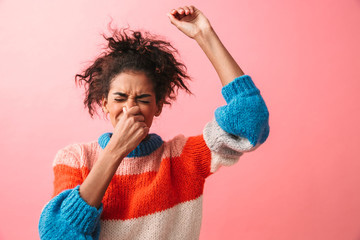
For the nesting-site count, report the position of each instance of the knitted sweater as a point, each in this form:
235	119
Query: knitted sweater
157	190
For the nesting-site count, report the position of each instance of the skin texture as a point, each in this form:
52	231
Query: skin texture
132	119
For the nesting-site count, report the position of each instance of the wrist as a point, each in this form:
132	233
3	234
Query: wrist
205	35
113	157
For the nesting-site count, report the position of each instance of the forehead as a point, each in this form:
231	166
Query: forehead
132	83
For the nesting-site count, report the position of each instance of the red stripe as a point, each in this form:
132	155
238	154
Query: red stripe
67	177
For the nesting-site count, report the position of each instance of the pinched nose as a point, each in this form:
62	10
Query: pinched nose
130	103
135	109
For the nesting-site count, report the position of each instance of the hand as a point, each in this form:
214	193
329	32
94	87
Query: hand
129	131
190	20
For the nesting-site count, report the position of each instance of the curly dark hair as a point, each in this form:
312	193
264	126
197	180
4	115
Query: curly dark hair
129	50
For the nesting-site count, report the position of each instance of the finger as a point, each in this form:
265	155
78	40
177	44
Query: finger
173	20
134	110
180	10
141	134
146	131
125	111
175	12
187	10
192	9
180	13
139	118
178	16
138	126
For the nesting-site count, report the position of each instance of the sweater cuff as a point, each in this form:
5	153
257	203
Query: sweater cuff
243	86
80	214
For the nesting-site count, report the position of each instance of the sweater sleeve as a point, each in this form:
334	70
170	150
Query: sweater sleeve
67	215
240	126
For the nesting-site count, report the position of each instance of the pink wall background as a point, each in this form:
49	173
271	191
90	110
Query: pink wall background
303	183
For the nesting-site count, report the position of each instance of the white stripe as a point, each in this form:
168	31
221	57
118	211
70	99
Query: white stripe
84	154
78	155
218	161
151	163
182	221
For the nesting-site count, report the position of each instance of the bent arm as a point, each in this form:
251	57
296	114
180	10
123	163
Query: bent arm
240	126
243	123
93	189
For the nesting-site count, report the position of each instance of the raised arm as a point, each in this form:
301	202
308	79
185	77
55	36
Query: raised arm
243	123
193	23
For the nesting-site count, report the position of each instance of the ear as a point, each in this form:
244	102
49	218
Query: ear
104	105
159	107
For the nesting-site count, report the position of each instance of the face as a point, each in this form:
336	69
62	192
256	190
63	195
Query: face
131	89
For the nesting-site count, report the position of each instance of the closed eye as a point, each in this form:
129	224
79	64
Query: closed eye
139	98
123	100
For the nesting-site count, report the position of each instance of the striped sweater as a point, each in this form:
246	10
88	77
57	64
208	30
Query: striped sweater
157	191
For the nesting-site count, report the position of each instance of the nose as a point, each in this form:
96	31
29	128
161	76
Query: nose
130	103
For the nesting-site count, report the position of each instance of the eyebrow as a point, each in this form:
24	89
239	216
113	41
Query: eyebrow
137	97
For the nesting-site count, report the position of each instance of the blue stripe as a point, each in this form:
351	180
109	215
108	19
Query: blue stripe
145	148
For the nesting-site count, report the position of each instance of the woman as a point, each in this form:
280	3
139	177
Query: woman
130	184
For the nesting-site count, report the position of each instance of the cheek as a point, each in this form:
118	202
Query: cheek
115	111
148	113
